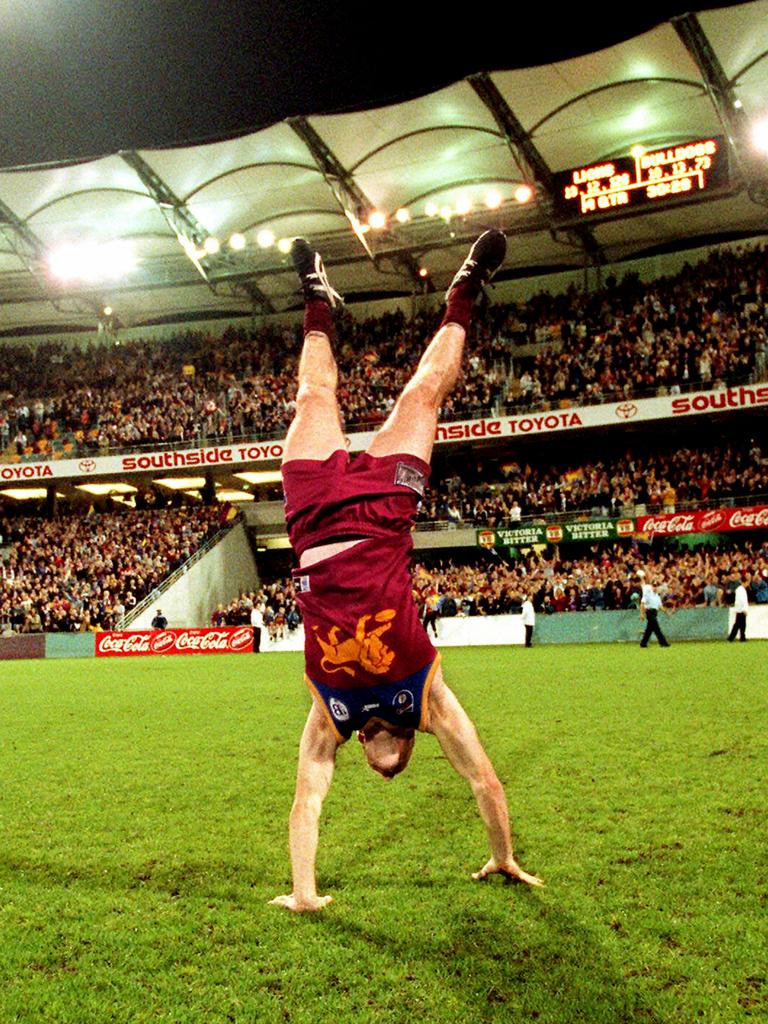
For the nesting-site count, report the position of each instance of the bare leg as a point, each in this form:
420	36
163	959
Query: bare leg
410	427
315	432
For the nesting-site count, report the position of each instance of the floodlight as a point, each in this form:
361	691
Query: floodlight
227	494
403	215
523	194
107	311
178	483
493	199
92	261
101	489
760	136
377	220
431	209
637	151
423	272
24	493
265	238
463	205
236	241
263	476
211	245
446	212
284	245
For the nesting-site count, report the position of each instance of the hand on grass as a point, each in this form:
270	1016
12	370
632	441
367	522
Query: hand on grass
510	869
301	905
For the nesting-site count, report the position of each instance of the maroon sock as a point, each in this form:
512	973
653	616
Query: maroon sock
458	310
318	316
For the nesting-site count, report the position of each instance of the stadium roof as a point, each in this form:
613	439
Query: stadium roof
699	77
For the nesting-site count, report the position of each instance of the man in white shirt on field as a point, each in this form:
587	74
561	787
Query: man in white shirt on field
529	619
257	621
740	606
650	606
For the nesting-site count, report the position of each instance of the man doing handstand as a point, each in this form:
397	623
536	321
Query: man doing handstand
369	663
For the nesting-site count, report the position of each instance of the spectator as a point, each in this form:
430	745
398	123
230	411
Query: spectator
159	621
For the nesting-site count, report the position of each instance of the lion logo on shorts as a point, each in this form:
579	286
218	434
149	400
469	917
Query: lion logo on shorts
366	648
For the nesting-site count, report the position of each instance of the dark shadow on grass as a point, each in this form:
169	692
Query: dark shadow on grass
553	968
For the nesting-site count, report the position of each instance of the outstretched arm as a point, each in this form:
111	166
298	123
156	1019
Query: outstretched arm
317	759
452	726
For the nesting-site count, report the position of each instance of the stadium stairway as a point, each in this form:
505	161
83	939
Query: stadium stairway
217	573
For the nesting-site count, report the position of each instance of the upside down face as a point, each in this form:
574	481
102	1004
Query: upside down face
387	748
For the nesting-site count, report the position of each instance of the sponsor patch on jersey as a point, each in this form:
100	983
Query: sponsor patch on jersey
410	476
302	584
339	709
402	702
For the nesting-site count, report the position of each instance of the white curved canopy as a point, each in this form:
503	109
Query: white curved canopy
680	81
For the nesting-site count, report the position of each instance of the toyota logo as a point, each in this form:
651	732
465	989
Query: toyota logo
626	410
86	465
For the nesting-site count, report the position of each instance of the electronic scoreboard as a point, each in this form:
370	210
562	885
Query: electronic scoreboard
649	178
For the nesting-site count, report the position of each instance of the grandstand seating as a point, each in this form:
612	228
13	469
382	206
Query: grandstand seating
86	572
704	328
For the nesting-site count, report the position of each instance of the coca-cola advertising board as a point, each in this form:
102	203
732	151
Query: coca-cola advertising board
132	642
713	520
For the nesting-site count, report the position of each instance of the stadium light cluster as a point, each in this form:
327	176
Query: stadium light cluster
377	220
463	205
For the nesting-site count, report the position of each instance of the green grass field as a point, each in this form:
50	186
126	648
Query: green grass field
144	808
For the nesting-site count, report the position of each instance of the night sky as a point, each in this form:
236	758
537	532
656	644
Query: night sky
82	78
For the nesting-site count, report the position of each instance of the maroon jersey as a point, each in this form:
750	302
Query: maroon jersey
361	627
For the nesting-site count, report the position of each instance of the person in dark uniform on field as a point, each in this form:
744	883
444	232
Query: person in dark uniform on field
369	663
650	606
159	621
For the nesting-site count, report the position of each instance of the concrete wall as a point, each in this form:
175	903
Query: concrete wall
575	628
70	645
222	574
757	622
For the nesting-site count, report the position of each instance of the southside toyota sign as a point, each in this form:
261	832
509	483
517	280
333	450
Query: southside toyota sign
615	414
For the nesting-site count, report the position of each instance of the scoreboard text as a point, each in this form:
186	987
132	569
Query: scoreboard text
648	178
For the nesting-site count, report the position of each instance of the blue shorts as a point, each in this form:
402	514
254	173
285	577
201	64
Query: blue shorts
403	704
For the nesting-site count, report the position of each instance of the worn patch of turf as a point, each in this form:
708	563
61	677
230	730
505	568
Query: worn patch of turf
144	804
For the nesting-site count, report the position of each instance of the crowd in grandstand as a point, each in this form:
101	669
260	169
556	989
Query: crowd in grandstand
277	601
705	327
606	579
87	572
664	480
